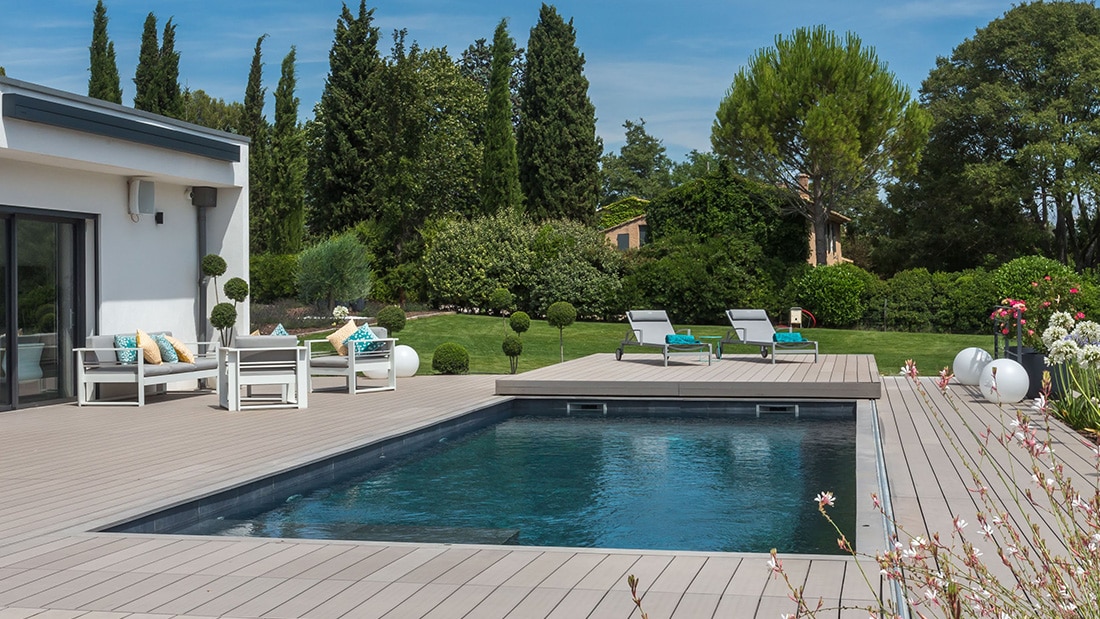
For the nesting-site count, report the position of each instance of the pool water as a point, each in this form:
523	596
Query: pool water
733	485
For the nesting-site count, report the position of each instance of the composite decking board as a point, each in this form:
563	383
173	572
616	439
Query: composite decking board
182	446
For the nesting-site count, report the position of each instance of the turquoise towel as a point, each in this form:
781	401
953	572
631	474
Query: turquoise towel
676	338
788	337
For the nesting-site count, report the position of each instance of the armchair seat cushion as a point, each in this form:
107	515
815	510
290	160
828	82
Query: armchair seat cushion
329	361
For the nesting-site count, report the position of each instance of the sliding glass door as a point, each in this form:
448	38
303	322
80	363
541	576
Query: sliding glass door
41	293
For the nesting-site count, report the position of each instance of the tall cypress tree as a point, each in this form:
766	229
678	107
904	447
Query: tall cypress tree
556	141
146	82
500	188
349	119
288	156
255	126
171	99
103	83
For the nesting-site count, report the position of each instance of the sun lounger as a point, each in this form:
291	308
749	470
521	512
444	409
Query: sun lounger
651	328
752	327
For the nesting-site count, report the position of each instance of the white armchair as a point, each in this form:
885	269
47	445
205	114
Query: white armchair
324	362
256	360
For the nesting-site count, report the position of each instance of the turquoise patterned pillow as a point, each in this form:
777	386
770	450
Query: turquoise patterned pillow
279	330
167	350
129	342
363	340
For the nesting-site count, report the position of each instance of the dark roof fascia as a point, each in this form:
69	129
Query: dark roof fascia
131	126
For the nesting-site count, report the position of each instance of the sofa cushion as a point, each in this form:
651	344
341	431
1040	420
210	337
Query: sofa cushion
338	337
167	351
182	351
363	341
149	348
129	343
279	330
205	364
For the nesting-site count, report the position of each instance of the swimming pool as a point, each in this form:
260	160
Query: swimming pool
721	477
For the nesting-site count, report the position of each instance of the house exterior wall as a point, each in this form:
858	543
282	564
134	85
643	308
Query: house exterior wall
139	274
631	228
835	254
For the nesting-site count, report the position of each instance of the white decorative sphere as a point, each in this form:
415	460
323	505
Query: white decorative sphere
408	362
968	365
1012	381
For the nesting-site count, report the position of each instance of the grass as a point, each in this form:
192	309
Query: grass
482	337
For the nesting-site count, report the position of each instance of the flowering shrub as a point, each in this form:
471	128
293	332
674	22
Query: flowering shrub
1047	296
1073	347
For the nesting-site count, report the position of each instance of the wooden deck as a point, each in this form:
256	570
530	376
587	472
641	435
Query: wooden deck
688	376
65	471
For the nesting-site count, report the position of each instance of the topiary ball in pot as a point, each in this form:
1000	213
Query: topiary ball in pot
392	318
451	358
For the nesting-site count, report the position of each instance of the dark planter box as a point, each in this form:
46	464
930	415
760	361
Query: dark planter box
1035	364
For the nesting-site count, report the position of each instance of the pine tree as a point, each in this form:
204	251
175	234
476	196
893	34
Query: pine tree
146	82
103	83
255	126
557	146
171	99
289	158
345	148
500	188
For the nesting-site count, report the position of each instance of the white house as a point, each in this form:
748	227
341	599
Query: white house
105	213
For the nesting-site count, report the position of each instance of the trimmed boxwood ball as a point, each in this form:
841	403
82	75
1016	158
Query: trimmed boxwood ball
513	348
561	314
451	358
213	265
392	318
223	315
519	322
236	289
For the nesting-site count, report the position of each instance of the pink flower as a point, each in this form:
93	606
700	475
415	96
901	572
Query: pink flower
1073	291
945	379
1080	315
1046	303
825	498
1047	278
1034	284
910	368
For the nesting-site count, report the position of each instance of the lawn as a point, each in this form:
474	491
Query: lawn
482	337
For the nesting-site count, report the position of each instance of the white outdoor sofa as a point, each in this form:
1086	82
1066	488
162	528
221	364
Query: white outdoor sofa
97	364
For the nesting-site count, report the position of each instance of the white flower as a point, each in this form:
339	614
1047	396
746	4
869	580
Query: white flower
1062	351
1087	332
825	498
1053	334
1064	320
918	542
340	312
960	524
1088	356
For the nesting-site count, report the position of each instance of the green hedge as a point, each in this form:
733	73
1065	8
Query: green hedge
273	277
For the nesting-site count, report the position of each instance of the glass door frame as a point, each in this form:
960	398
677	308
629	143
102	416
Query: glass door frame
10	293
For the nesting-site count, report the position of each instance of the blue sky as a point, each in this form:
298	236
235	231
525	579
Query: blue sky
644	59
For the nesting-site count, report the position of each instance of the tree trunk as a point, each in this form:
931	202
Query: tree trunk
821	229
